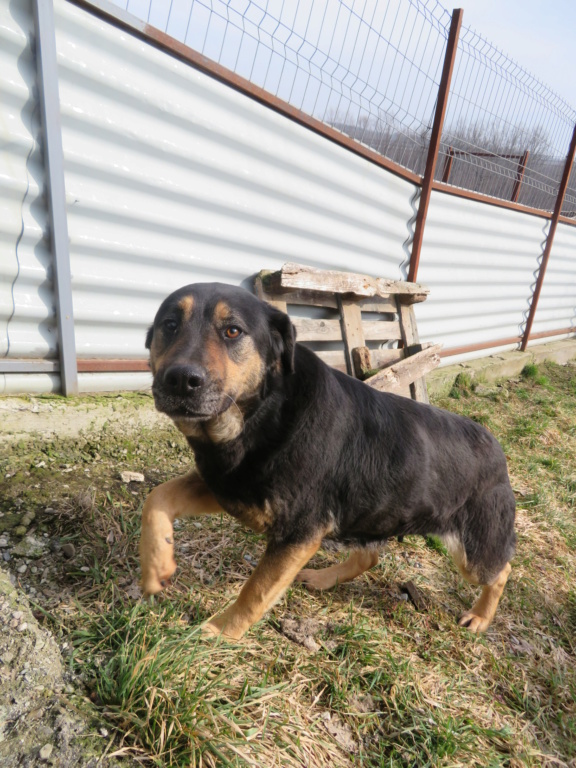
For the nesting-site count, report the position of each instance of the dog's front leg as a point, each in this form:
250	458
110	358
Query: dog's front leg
270	579
185	496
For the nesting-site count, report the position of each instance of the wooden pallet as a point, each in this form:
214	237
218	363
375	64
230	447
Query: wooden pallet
357	315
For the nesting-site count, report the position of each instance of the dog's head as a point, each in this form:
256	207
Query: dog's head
212	348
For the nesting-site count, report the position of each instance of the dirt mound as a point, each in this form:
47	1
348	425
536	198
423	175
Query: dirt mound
43	719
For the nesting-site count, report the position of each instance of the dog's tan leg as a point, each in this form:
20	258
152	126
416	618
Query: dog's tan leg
360	560
182	497
478	619
268	582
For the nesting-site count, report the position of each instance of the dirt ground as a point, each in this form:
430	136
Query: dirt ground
46	717
360	675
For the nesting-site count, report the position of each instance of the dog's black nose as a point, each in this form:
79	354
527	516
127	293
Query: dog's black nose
184	379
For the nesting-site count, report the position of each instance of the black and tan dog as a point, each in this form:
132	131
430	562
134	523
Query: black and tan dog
311	457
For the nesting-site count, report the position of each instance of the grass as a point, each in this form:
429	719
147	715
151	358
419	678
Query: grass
365	679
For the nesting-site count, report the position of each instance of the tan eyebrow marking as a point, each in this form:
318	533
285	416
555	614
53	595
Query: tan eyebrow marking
221	312
186	305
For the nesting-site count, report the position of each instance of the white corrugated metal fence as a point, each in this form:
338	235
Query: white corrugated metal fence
174	177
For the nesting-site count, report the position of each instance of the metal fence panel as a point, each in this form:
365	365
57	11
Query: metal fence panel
557	305
478	261
27	324
173	177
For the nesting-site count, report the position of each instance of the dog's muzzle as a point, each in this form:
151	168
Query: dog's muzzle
187	391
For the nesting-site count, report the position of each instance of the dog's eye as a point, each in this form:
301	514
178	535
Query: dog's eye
232	332
170	325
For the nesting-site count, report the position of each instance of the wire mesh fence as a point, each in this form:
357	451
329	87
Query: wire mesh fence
506	134
372	69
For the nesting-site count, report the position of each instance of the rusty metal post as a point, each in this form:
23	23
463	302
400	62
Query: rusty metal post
550	239
434	147
448	165
521	170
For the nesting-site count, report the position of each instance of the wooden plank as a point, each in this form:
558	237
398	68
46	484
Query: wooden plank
378	304
363	364
352	332
409	331
317	330
261	292
385	357
381	330
269	289
329	281
309	329
335	358
406	371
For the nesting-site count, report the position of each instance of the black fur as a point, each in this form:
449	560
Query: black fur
324	449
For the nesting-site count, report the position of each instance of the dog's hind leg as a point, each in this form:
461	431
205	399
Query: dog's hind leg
480	616
182	497
360	560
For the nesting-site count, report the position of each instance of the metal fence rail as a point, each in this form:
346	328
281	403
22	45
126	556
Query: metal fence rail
372	70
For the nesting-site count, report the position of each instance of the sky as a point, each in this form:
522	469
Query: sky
540	35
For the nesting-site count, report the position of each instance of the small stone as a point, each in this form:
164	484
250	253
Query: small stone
3	542
18	614
6	556
85	569
45	752
22	627
20	530
30	547
22	568
132	477
68	550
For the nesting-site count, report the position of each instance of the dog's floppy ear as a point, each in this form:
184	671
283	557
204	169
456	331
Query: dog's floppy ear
283	336
149	335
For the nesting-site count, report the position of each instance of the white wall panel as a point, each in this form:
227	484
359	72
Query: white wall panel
173	177
27	325
557	305
479	262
